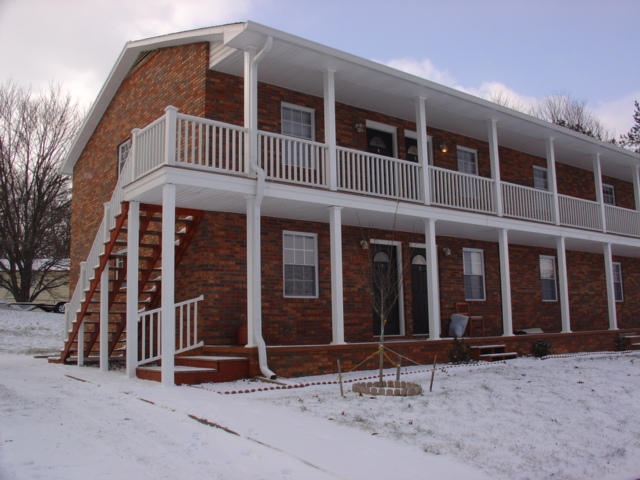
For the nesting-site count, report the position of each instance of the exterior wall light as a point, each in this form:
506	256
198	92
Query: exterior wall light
359	127
443	148
364	245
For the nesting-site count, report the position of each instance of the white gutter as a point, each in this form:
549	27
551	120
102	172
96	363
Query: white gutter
257	203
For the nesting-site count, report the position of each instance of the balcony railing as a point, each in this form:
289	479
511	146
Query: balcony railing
193	142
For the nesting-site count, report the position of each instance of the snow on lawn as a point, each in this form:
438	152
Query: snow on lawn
571	418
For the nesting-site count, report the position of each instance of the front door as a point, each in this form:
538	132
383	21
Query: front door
385	289
419	295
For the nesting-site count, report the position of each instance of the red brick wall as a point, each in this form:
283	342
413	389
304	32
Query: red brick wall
172	76
628	311
587	291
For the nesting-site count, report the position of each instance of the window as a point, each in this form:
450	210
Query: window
473	274
298	122
467	161
124	150
540	179
548	278
608	194
300	262
617	281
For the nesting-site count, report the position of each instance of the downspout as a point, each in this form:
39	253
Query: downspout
257	203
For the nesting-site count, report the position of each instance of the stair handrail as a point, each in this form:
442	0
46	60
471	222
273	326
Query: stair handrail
151	330
87	271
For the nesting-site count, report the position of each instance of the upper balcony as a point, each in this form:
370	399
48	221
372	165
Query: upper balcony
206	145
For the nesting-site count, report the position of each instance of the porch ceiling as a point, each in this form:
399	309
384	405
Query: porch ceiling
299	64
220	193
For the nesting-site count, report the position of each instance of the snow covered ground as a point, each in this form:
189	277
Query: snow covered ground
574	417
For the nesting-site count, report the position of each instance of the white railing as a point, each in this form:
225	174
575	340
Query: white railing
576	212
527	203
151	330
209	144
363	172
293	159
622	221
461	190
148	147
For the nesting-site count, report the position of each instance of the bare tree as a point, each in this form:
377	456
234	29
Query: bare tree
563	110
631	140
36	130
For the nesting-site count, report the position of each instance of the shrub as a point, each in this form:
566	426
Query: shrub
621	344
460	352
541	348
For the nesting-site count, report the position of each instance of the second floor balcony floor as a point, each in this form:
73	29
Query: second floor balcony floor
205	145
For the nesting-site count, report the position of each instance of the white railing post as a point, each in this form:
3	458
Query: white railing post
83	280
107	222
80	341
171	129
133	164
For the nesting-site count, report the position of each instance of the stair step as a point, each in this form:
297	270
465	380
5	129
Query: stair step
182	376
487	346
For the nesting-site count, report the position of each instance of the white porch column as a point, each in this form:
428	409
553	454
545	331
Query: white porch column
104	319
423	147
563	285
495	164
635	178
168	284
80	336
330	126
337	302
133	242
551	180
611	293
597	176
505	282
433	290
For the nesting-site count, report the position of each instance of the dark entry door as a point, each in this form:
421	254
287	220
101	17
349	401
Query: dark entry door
419	294
385	289
379	142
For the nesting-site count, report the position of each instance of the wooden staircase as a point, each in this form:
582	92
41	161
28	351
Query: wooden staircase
149	280
491	353
632	339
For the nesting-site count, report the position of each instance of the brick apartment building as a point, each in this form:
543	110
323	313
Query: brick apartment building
288	173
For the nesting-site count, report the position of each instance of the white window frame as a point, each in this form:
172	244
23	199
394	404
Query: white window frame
553	278
466	150
309	259
469	271
124	152
543	178
608	192
293	148
617	282
383	127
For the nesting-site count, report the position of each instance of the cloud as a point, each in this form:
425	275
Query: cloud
76	43
618	114
422	68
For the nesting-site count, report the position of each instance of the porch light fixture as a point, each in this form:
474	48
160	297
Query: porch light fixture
359	127
364	245
443	148
446	251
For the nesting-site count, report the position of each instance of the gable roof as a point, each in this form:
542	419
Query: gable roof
366	84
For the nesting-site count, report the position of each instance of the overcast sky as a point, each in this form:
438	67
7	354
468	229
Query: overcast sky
531	48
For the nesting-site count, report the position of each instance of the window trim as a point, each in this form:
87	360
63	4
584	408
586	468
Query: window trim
475	157
555	278
312	113
546	178
126	147
617	266
605	195
384	127
314	236
483	276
